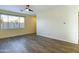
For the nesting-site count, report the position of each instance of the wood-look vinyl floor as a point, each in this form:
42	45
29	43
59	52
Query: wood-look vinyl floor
36	44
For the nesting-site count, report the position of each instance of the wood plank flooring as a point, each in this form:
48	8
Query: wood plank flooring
36	44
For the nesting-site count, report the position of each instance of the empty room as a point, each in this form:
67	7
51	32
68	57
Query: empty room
39	28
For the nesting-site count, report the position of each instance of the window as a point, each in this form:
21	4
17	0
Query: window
11	22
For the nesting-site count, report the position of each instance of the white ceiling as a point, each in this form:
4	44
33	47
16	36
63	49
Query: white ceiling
15	8
36	8
18	8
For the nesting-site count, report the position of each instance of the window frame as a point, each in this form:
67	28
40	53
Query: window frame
8	15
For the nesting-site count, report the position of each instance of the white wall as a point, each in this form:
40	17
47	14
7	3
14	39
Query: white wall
50	23
78	26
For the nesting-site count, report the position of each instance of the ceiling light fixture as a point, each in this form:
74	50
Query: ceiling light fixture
27	9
